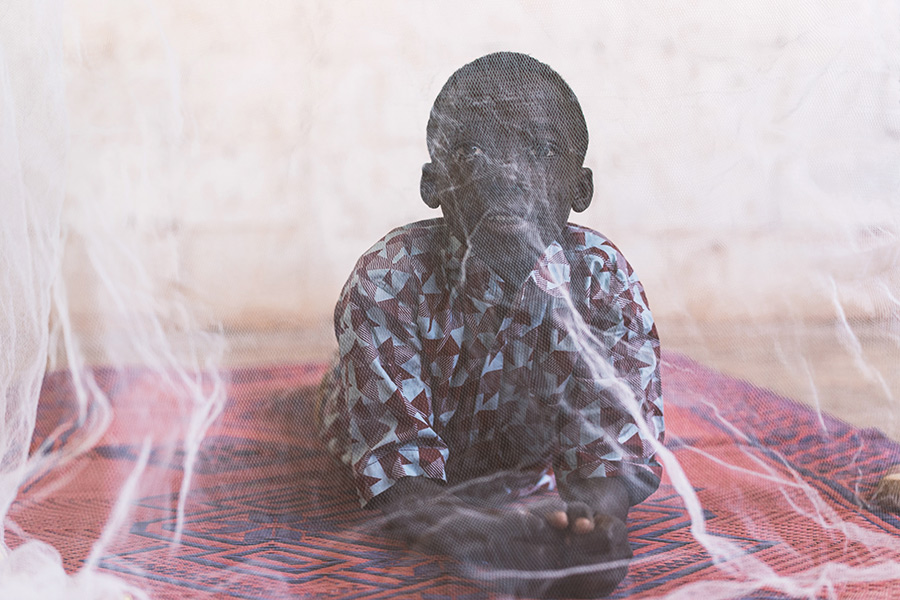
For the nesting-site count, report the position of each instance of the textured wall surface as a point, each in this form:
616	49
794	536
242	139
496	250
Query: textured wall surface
241	157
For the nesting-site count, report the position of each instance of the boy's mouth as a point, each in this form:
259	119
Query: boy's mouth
503	218
505	214
504	224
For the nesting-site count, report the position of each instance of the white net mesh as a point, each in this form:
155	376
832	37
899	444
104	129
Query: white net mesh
185	187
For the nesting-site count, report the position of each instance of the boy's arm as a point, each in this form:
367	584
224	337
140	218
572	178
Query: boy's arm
388	400
613	415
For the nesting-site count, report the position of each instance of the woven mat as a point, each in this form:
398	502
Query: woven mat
268	516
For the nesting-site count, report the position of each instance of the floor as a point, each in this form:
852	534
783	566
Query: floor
850	370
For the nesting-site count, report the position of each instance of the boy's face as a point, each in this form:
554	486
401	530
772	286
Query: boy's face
507	164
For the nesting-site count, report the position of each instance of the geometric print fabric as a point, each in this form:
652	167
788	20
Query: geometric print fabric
443	364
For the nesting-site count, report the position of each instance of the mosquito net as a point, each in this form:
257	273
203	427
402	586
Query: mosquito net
186	186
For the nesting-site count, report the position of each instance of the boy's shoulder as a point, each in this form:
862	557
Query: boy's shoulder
411	249
594	249
413	239
423	235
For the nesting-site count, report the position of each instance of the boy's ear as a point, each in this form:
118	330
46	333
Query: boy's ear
428	186
584	190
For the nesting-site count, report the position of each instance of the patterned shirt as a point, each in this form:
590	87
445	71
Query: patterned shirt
446	370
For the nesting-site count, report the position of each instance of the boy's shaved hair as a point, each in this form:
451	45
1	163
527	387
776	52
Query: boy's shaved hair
512	67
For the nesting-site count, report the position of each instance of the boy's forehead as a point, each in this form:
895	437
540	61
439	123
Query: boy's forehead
484	87
507	91
534	97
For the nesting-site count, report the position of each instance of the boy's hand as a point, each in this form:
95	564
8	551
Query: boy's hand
552	536
603	552
576	520
587	497
589	503
574	517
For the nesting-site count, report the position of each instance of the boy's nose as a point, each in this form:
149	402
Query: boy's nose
505	181
509	165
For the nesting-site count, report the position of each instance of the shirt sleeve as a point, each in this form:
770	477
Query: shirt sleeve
614	409
385	400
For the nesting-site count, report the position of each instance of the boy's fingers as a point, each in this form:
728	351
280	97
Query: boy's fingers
553	512
582	525
581	517
616	535
558	519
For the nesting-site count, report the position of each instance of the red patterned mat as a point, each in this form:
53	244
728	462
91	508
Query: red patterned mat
269	517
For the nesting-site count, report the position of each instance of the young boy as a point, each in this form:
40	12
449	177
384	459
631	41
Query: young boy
500	348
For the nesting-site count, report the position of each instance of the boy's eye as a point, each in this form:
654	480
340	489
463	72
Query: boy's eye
545	150
467	152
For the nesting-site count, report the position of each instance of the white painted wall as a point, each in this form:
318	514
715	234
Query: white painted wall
241	155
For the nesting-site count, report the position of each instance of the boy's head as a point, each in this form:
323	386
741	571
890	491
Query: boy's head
507	140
